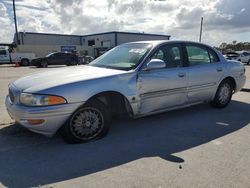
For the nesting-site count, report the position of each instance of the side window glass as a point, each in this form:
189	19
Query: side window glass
54	55
170	54
213	56
65	55
197	55
3	52
158	55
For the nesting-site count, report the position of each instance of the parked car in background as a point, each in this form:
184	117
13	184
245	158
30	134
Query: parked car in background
232	56
244	57
85	59
7	57
136	79
56	58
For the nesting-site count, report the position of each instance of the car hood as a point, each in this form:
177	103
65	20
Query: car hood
38	58
60	76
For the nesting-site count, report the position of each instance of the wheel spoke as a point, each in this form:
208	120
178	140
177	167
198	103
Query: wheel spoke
225	92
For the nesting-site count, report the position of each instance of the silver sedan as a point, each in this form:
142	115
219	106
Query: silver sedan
135	79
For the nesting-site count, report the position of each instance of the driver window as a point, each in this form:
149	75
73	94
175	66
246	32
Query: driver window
170	54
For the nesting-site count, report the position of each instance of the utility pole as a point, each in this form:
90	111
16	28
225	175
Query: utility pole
14	10
201	29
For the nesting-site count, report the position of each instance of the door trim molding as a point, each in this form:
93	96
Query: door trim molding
175	91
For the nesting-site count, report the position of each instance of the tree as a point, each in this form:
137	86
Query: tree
240	46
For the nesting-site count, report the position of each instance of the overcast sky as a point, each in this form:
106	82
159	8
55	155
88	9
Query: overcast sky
224	20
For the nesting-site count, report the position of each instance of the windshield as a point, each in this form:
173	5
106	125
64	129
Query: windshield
50	54
123	57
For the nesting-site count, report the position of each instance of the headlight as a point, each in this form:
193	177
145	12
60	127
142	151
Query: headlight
41	100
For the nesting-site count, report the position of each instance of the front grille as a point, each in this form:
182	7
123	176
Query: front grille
11	95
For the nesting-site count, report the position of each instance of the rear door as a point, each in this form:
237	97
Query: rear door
204	72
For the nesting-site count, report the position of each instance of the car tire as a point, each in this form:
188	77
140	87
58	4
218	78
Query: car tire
44	64
223	94
24	62
248	62
88	123
72	63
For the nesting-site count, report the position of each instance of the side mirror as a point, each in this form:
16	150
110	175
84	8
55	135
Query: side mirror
155	64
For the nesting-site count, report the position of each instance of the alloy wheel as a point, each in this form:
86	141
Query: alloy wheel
87	123
224	93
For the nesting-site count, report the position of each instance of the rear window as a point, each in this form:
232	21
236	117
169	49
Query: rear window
198	55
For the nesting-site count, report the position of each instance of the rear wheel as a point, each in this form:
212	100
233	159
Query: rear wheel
223	94
88	123
248	62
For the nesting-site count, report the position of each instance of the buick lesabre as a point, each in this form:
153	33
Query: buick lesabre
135	79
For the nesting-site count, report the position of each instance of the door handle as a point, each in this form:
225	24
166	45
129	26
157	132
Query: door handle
181	74
219	69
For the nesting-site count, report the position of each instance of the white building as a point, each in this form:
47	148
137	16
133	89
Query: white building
94	45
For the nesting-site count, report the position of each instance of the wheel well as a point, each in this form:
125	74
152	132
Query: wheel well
231	79
117	103
44	60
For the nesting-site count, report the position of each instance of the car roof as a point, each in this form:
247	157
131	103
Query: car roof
158	42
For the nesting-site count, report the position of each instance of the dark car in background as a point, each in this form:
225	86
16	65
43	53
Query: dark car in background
85	59
56	58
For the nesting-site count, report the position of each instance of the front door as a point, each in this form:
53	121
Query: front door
166	87
204	72
4	56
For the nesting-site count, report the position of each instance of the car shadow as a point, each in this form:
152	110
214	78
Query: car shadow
7	65
28	159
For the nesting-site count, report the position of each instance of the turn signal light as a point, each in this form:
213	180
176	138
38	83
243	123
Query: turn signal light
35	121
52	100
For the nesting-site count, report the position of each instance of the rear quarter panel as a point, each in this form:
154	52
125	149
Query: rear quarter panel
236	70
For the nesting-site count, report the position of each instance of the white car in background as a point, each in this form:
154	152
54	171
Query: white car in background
244	57
23	58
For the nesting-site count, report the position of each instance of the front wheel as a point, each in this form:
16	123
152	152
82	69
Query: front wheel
24	62
223	94
90	122
72	63
44	64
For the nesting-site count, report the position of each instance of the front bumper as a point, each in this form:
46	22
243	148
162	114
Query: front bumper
54	116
